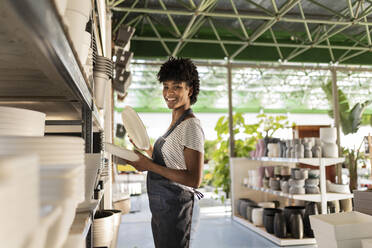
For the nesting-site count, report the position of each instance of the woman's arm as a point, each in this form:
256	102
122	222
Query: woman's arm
191	177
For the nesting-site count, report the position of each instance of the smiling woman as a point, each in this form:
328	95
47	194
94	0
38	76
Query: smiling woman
177	158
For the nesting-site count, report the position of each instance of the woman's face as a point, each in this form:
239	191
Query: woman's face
176	94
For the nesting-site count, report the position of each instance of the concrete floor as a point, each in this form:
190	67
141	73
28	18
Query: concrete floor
216	229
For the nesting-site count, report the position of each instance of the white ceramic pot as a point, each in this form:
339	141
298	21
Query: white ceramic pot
328	134
338	188
100	85
329	150
257	216
103	228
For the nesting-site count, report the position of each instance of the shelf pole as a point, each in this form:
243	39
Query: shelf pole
336	114
323	188
231	121
87	128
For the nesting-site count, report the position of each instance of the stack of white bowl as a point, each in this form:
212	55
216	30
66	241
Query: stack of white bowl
21	122
328	136
76	17
19	194
103	70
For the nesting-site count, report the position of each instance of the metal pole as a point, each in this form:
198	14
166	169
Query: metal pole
336	114
231	123
87	128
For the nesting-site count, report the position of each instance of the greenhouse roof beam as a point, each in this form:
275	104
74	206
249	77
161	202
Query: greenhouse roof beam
170	19
158	35
265	44
264	27
327	36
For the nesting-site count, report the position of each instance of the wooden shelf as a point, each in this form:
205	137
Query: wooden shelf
308	161
273	238
305	197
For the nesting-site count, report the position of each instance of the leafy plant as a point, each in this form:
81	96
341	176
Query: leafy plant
352	158
246	139
350	118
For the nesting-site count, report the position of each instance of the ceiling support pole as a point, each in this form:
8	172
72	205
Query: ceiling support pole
231	121
336	114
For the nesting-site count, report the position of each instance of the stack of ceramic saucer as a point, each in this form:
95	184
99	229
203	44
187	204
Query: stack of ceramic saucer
19	191
21	122
52	150
62	175
62	182
103	70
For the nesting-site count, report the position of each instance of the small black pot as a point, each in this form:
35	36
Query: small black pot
268	218
311	209
297	226
280	227
240	201
289	210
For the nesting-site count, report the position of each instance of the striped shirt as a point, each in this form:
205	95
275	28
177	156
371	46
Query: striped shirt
188	133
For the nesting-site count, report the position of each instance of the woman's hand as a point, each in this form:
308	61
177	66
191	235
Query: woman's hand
142	164
149	151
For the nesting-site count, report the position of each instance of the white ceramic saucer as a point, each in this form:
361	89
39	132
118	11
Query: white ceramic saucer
121	152
135	128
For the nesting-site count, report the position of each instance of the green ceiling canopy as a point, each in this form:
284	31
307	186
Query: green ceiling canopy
312	31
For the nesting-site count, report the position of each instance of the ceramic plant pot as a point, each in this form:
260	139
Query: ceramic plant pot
297	226
250	210
289	211
268	218
280	228
311	209
257	216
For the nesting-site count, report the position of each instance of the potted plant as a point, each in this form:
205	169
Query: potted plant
350	121
246	136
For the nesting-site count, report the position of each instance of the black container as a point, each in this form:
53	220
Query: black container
239	204
297	226
311	209
243	209
280	227
289	210
268	218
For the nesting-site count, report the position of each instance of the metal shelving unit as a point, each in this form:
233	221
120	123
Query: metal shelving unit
39	70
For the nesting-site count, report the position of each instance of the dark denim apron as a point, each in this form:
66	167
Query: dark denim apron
171	206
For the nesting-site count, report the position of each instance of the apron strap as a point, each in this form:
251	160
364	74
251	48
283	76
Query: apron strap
182	117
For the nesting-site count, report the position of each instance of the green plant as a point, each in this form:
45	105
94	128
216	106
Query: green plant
350	121
350	118
352	159
209	148
246	138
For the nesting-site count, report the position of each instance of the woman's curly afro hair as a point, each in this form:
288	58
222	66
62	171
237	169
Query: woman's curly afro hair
181	70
